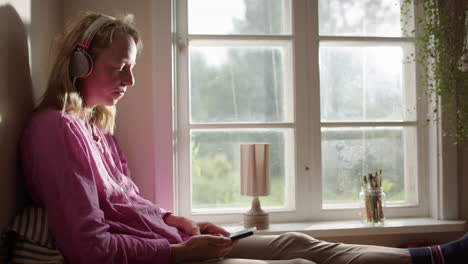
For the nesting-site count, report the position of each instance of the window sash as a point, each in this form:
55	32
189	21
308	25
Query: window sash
283	85
307	123
286	134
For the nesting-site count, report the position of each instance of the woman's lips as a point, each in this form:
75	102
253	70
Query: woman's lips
120	91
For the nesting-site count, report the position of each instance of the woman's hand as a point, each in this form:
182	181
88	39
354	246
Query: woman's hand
201	247
185	225
193	228
212	229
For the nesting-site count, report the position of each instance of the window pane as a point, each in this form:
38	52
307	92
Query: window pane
360	18
215	159
349	153
365	83
246	83
242	17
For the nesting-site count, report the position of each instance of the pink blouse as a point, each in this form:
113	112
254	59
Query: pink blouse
94	209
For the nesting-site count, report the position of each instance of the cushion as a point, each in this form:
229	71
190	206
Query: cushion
33	243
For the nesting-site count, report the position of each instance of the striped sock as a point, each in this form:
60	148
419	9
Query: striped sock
455	252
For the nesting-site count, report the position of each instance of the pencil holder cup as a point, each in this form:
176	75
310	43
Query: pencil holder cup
372	202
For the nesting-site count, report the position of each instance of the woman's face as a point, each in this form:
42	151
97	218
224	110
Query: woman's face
112	73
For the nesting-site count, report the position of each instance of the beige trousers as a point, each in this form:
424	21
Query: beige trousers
298	248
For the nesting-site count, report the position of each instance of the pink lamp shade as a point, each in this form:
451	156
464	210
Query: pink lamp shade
255	169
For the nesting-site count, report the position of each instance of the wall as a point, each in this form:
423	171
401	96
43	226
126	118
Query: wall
46	22
20	21
463	182
15	85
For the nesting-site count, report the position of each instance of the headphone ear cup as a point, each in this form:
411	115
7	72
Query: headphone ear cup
81	64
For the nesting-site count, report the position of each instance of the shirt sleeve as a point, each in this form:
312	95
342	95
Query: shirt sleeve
56	158
165	213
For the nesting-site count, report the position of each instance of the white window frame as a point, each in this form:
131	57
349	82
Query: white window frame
409	81
183	173
437	172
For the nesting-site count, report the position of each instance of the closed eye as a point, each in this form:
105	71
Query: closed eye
119	67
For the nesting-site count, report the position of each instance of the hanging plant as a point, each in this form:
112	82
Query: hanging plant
440	38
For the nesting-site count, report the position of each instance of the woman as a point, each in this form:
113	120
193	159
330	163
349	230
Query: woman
75	169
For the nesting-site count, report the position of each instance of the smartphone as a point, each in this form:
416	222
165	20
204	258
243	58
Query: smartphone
243	233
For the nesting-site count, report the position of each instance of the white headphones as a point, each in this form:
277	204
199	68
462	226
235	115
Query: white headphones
81	62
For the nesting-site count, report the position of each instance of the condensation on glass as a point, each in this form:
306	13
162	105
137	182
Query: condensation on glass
366	82
350	152
367	77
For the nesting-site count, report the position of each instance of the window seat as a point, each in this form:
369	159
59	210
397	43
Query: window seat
355	228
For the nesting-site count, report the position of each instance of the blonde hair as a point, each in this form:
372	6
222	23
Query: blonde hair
61	92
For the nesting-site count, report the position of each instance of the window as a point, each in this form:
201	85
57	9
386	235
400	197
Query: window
367	101
326	83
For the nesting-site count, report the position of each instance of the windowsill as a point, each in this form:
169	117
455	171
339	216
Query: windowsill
355	228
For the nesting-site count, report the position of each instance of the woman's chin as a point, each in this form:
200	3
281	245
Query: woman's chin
113	101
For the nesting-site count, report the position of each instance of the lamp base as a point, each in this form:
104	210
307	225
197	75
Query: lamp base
259	221
256	216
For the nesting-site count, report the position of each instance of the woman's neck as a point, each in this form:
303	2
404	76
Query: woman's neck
87	115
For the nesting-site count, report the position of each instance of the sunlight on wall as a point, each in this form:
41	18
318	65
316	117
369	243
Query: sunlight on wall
23	7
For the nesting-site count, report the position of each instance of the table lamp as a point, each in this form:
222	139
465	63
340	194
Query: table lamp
255	181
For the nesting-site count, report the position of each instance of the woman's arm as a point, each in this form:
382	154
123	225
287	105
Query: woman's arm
184	224
56	159
194	228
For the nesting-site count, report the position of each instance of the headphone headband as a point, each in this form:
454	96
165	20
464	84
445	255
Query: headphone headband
88	36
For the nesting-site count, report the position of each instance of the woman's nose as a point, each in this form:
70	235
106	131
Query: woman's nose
127	78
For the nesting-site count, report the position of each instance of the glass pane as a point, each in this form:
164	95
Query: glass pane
365	83
239	17
215	159
246	83
360	18
349	153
